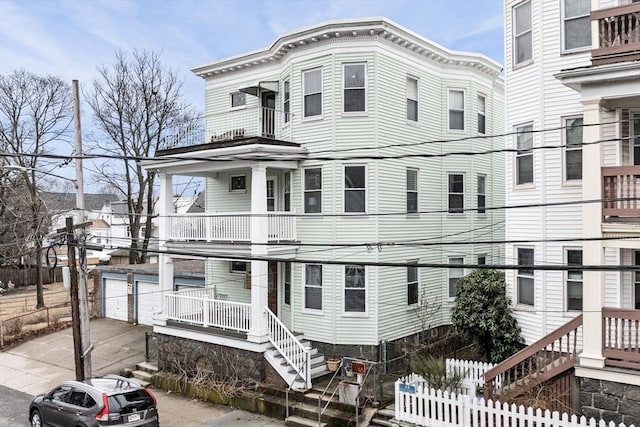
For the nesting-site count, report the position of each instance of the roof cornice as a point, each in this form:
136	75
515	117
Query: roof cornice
380	28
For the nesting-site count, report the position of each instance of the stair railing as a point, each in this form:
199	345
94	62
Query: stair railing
322	409
548	357
289	347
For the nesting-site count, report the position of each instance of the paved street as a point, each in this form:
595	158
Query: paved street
43	362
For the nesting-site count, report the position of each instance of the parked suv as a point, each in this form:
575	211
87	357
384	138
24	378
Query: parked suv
108	401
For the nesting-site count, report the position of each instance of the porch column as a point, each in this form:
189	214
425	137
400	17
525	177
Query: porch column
165	261
259	270
593	251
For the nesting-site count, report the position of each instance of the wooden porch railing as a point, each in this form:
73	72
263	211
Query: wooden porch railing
621	191
618	34
541	361
620	337
202	310
229	227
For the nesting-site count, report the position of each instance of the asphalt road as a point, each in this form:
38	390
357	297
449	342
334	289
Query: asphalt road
14	407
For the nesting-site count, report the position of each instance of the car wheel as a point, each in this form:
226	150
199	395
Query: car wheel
36	419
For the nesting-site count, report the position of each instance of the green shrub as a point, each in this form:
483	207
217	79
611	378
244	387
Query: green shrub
434	371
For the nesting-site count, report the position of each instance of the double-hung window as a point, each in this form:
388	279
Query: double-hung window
524	155
576	24
355	289
287	191
482	193
522	36
413	294
412	190
456	193
355	93
456	110
313	190
455	274
573	150
525	278
238	99
313	286
574	280
312	92
355	189
482	114
286	101
287	283
412	99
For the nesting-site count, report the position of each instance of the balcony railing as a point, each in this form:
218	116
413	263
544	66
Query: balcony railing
620	337
229	227
618	34
621	191
231	125
200	308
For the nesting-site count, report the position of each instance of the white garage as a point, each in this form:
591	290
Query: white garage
148	301
115	299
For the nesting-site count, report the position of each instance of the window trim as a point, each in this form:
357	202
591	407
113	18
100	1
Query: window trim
304	307
305	94
287	279
567	280
417	100
247	267
563	20
515	36
344	88
344	188
482	255
464	109
286	101
237	190
305	191
346	313
450	193
481	210
416	191
416	283
565	142
520	274
482	113
526	152
240	106
449	277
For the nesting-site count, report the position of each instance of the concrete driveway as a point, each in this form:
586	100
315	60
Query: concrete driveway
40	364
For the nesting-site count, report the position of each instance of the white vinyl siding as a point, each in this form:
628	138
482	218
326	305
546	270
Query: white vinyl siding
525	278
312	93
522	34
524	155
412	190
576	24
573	150
354	98
456	109
412	99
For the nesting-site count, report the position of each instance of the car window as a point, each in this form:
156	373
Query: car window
60	394
127	402
77	398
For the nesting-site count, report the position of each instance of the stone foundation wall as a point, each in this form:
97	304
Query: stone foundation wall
182	356
610	401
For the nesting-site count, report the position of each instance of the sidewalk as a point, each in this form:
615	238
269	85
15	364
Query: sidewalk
41	363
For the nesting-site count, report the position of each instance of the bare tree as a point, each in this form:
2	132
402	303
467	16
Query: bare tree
135	102
35	113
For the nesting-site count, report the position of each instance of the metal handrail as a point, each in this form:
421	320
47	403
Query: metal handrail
321	410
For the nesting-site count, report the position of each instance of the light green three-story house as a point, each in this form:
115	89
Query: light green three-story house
329	186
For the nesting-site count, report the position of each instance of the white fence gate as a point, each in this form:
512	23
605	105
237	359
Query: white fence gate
417	403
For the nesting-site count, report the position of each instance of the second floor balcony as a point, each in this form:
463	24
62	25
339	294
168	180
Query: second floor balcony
618	34
232	125
621	192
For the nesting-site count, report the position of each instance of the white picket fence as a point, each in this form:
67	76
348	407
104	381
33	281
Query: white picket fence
417	403
473	371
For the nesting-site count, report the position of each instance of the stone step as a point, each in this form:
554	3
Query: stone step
151	367
296	421
143	376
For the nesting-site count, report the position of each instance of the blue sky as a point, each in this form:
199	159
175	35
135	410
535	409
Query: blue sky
70	38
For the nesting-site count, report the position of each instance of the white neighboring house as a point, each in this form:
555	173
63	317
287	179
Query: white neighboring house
573	77
289	148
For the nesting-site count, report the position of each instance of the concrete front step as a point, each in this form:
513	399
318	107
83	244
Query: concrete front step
296	421
150	367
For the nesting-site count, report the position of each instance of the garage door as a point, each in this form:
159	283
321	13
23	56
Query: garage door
115	299
148	302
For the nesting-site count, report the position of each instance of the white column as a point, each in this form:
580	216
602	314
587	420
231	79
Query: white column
165	261
259	269
593	251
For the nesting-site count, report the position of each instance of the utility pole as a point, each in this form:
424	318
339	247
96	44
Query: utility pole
83	292
75	303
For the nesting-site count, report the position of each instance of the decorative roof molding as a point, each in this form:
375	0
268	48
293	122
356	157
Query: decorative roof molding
351	28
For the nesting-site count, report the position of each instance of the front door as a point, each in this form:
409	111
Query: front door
268	114
273	287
